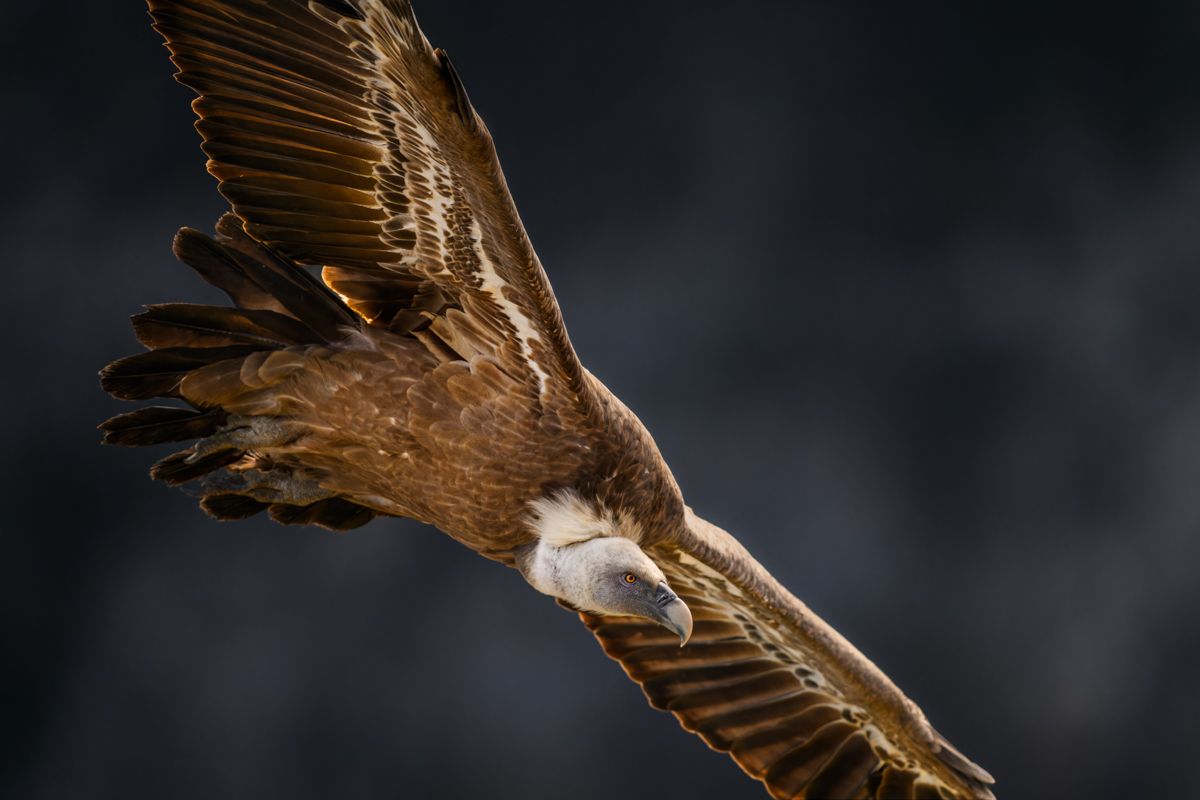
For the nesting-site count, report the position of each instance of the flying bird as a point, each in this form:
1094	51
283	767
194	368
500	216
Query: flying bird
427	374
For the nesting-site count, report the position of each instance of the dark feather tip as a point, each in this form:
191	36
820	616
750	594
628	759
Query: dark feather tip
226	507
462	103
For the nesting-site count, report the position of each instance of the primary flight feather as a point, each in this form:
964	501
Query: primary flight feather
430	376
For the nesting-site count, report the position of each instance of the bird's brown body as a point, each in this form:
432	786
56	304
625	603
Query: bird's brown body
400	427
430	376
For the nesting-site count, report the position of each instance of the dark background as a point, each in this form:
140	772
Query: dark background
906	292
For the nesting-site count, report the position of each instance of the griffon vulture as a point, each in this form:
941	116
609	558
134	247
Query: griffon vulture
428	375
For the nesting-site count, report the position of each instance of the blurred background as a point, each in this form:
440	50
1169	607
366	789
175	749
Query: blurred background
906	293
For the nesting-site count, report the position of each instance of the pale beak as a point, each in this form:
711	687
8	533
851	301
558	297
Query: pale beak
673	613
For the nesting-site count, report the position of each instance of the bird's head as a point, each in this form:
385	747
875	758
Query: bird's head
584	558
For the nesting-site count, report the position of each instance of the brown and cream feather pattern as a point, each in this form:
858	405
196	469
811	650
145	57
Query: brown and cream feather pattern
429	375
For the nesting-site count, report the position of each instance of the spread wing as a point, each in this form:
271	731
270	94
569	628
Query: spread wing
764	679
345	141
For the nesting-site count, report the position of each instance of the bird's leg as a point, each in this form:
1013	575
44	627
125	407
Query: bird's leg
248	433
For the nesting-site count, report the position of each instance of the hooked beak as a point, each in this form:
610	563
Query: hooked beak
673	613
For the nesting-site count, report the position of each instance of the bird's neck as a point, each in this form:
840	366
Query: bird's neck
557	571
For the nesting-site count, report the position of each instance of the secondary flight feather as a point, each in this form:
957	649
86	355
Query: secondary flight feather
428	375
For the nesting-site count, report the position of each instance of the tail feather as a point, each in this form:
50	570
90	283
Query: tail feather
189	325
335	513
282	312
227	507
180	468
158	373
160	424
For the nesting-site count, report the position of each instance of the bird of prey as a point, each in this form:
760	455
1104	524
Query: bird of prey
427	374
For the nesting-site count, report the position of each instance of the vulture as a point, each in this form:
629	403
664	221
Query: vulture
421	369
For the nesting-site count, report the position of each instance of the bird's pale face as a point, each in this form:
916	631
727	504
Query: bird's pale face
627	582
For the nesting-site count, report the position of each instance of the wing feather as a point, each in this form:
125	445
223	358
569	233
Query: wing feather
765	680
345	141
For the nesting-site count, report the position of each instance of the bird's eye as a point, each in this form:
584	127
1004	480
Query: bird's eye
630	578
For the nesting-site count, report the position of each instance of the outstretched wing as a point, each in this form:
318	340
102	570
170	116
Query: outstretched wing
764	679
344	140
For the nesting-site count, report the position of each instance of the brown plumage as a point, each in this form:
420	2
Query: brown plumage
430	376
